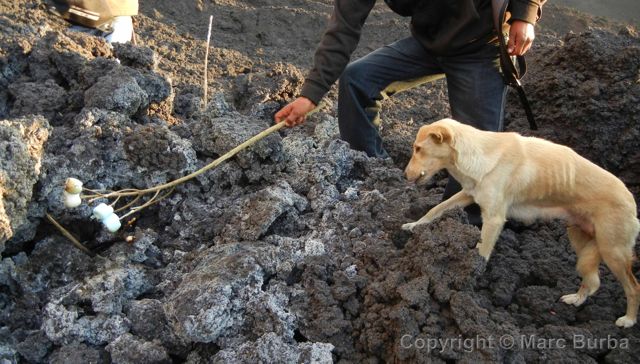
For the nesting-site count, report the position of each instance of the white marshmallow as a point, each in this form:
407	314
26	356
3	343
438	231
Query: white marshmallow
102	211
112	223
71	200
73	185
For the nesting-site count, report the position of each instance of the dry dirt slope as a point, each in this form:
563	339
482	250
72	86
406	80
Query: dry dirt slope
621	10
292	251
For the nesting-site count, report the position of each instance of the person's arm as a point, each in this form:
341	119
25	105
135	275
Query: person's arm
338	42
524	15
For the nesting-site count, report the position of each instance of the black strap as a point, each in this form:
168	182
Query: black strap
511	71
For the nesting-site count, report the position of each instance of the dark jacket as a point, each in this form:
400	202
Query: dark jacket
443	27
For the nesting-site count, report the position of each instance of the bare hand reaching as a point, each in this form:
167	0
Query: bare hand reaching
295	112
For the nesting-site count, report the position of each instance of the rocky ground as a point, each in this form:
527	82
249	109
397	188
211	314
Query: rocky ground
292	251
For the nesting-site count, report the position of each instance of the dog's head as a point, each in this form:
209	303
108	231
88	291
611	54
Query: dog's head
432	151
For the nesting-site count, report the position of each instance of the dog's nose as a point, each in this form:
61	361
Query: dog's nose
412	176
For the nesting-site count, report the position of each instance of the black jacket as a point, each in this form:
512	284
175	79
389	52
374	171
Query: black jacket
443	27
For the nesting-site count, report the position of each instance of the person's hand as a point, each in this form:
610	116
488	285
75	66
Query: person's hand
295	112
521	37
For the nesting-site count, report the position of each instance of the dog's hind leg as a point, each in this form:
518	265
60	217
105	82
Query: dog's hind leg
460	199
587	265
617	253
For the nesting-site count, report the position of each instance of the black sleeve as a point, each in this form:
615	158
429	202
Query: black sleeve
526	10
338	42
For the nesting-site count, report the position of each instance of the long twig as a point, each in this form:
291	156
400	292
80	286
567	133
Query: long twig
154	200
251	141
131	203
97	194
68	235
205	86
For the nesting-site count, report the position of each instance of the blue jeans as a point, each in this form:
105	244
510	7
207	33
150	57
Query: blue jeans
474	82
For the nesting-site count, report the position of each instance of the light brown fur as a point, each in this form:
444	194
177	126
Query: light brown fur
526	178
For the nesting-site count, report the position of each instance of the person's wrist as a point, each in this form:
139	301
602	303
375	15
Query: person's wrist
308	101
312	91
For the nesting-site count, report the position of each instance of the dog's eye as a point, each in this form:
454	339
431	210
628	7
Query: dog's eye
417	149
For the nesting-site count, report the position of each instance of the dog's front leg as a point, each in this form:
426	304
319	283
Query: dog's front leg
492	225
460	199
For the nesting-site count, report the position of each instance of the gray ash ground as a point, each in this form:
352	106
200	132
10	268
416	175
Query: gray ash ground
292	251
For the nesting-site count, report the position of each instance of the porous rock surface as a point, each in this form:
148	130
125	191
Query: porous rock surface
22	143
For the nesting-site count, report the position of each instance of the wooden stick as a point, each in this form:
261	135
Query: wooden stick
132	192
154	200
206	61
68	235
251	141
129	204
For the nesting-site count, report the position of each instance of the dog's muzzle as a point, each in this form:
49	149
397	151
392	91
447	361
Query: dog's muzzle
421	179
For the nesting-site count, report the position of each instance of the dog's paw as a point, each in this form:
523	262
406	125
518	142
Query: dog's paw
625	322
409	226
573	299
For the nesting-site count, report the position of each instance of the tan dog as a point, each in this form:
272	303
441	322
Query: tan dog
509	175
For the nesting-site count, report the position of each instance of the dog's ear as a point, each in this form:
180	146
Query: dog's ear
439	134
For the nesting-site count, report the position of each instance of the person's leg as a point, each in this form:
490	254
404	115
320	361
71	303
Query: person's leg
368	80
476	90
476	95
